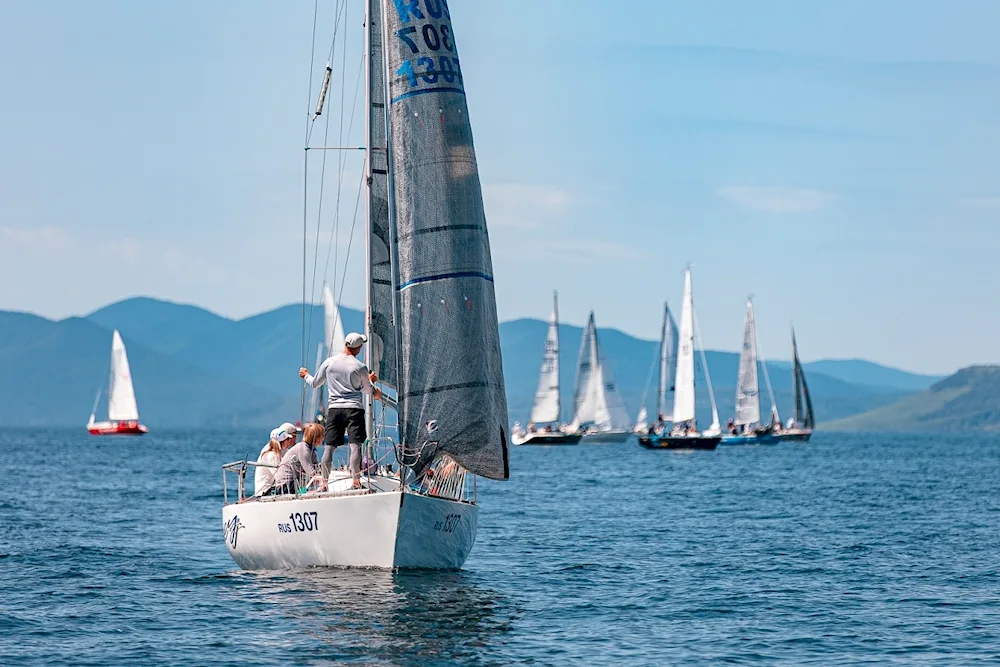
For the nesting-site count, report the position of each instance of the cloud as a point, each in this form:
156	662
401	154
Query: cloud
41	238
524	205
777	199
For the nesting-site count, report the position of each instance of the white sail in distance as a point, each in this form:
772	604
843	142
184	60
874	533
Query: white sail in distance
584	398
333	326
684	407
747	386
546	407
609	413
121	395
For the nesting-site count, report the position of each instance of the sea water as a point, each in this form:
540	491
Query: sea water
843	550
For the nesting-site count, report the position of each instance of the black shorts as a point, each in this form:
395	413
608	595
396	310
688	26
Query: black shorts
341	420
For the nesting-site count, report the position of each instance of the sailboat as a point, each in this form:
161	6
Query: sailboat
544	427
123	413
684	434
333	343
431	323
745	428
598	410
802	424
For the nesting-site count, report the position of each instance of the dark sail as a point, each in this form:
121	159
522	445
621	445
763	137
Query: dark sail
451	388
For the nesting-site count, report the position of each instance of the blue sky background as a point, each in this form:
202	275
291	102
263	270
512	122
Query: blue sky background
837	160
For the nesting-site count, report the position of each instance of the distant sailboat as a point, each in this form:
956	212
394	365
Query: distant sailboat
598	410
684	434
745	428
801	427
666	367
123	413
544	427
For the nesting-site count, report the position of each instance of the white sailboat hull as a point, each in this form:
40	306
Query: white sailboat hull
392	529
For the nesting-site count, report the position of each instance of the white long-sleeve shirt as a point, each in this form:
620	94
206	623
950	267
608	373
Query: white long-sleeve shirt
346	381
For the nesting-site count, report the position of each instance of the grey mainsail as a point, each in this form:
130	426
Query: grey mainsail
546	408
451	389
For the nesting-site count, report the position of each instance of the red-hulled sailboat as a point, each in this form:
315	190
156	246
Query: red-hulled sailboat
123	413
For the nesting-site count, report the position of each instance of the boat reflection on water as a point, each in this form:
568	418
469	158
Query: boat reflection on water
382	617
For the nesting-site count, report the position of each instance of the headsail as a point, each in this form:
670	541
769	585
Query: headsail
121	395
747	386
684	379
807	420
546	407
583	397
451	376
667	366
609	413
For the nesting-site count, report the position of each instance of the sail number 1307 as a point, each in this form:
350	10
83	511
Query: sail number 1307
300	522
449	524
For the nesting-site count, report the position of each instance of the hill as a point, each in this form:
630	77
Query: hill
969	400
51	371
194	366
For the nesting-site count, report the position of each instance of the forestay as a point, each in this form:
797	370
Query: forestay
747	385
121	395
451	377
546	407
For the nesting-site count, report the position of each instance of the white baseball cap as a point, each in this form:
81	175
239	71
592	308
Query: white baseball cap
354	340
284	432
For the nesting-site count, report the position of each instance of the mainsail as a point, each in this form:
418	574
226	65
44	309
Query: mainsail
546	406
451	387
801	391
684	379
381	355
121	396
667	366
747	386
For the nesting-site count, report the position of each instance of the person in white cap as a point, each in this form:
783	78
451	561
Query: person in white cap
282	438
347	380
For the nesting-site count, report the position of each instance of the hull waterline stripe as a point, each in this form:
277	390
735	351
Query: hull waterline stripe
445	276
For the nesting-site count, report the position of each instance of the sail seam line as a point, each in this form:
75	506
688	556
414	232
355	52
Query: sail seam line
445	276
414	93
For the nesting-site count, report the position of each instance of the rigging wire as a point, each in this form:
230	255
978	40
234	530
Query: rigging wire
305	200
307	329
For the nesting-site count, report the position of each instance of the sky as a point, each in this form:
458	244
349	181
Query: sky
838	161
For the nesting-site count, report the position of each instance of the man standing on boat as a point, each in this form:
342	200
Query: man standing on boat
347	379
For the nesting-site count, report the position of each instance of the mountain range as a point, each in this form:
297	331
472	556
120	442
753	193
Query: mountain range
192	367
